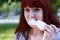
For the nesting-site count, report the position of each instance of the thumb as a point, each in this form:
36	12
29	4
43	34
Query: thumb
46	34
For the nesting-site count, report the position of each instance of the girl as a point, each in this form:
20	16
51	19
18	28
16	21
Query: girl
38	10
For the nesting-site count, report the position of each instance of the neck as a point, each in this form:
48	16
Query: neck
35	31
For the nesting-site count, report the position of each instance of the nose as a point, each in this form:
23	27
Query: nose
33	15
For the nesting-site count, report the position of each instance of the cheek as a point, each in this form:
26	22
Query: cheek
26	15
39	15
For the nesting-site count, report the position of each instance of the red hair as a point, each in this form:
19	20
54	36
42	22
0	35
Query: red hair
48	14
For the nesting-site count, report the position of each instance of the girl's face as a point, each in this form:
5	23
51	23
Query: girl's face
35	13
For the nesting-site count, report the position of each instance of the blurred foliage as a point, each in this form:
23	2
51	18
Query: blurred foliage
14	6
53	1
2	1
5	9
55	4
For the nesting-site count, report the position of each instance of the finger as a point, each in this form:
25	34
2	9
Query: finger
50	30
46	36
55	28
48	26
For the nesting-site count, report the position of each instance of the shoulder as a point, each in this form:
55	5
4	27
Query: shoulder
57	37
19	36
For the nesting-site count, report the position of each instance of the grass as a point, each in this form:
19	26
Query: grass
7	31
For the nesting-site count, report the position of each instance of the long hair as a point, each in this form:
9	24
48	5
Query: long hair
48	14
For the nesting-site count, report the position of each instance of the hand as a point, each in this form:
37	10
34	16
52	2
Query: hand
49	32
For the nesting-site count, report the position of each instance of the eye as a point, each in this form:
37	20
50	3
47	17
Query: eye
37	9
27	10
